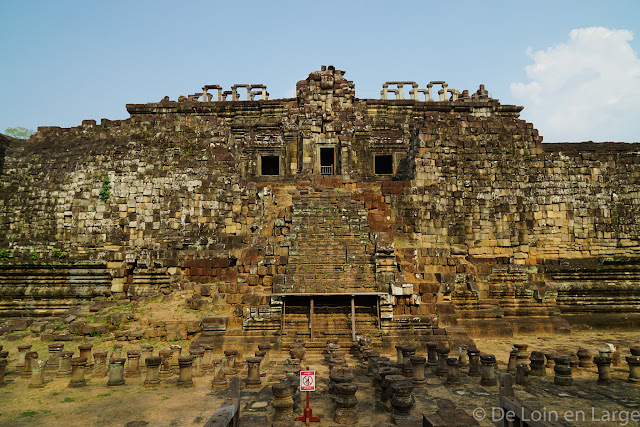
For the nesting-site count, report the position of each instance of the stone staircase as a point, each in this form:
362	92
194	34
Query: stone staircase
330	250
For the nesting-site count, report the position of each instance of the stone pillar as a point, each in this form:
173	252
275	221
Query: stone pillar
165	364
402	401
147	351
23	349
488	370
37	373
616	360
133	364
116	371
453	373
537	364
387	393
207	358
551	362
407	353
253	372
462	356
562	370
230	360
100	364
176	353
294	380
185	379
78	365
522	374
282	401
346	401
299	353
635	350
523	355
380	376
331	347
634	369
604	369
432	356
585	358
64	363
54	357
85	351
198	354
513	361
3	368
442	369
399	360
28	358
417	363
337	362
373	354
153	371
219	376
474	362
116	352
263	366
266	360
338	378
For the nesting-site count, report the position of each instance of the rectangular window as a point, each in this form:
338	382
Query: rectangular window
270	165
383	164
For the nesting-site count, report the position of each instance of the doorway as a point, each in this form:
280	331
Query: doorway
327	161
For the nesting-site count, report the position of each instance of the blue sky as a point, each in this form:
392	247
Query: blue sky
66	61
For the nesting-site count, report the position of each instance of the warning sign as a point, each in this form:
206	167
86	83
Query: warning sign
307	380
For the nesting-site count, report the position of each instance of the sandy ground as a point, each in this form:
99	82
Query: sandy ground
134	405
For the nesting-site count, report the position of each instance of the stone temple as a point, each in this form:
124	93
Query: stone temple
430	211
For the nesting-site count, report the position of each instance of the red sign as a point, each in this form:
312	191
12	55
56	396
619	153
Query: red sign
307	380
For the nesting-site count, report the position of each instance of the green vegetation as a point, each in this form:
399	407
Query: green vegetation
33	255
58	253
68	399
105	191
5	254
19	132
28	414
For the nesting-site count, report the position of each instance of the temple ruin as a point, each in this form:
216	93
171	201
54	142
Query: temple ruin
430	211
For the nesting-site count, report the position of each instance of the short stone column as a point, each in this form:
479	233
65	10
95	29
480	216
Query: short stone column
263	365
266	360
85	351
537	364
133	364
585	358
551	360
207	358
453	373
370	361
116	371
387	393
147	351
442	370
230	360
616	359
474	362
604	369
331	347
116	351
37	373
575	365
522	374
523	355
282	401
379	378
100	367
53	361
78	365
3	369
635	350
402	401
338	378
253	372
399	359
185	379
418	363
634	369
298	353
23	349
294	381
432	356
562	371
462	356
28	358
198	354
153	371
488	370
407	353
346	401
513	361
64	363
176	353
166	371
337	362
219	375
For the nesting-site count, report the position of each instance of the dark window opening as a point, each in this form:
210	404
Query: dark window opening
384	165
270	165
327	159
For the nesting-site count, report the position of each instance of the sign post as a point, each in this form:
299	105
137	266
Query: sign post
308	383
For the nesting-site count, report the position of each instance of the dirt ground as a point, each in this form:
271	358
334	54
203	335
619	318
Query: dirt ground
167	405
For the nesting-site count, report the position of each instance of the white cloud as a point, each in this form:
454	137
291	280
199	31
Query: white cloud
587	88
